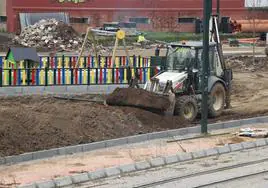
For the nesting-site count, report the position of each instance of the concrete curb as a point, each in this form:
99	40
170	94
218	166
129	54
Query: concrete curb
183	133
143	165
60	89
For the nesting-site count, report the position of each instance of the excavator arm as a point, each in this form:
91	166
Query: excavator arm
228	75
215	37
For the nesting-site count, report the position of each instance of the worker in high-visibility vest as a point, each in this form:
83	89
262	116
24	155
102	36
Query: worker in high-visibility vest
141	39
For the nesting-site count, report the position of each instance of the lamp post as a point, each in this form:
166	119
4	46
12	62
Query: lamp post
205	65
218	8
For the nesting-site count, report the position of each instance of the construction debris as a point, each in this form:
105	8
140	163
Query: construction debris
244	63
50	34
253	132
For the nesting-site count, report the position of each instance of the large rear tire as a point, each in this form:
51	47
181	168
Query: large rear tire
186	108
217	101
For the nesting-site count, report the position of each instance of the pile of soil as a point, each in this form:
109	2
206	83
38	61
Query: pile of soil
138	98
36	123
245	63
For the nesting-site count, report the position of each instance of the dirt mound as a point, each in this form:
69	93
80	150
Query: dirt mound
36	123
247	64
138	98
157	122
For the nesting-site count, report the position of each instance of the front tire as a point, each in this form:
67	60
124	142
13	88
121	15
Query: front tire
186	108
217	100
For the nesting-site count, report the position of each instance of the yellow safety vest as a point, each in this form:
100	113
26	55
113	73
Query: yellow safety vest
141	38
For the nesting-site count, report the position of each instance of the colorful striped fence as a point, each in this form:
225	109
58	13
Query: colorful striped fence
73	76
61	70
88	61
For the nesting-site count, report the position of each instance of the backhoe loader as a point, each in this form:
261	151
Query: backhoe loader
180	81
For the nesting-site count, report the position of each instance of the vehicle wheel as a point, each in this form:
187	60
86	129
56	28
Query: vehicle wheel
186	108
216	100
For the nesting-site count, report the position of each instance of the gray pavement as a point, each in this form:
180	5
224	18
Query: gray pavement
59	90
248	168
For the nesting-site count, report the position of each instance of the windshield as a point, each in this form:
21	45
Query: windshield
180	58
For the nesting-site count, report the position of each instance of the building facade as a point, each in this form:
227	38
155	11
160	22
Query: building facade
159	15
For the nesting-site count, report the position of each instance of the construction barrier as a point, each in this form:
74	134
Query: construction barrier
62	71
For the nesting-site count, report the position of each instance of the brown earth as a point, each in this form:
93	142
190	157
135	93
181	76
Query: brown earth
246	63
36	123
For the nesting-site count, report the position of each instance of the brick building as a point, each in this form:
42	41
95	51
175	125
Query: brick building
172	15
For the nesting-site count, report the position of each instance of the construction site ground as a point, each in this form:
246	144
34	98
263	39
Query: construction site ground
42	122
47	169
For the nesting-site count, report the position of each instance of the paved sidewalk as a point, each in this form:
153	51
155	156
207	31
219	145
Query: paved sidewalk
247	169
42	170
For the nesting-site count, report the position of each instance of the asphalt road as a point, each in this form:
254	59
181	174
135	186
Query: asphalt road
247	169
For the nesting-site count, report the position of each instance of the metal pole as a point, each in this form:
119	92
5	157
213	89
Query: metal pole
218	8
205	65
218	13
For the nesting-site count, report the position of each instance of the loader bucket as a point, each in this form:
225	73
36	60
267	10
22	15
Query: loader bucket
139	98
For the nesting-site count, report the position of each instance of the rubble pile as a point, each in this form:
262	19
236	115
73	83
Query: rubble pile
244	63
51	35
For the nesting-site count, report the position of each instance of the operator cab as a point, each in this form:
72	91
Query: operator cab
189	56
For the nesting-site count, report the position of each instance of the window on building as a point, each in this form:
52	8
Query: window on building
79	20
186	20
140	20
3	19
127	25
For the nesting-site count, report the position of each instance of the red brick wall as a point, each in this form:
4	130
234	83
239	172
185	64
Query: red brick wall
112	10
